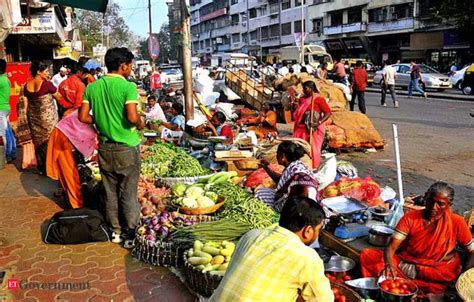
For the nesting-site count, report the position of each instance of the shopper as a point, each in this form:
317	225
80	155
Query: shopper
71	90
59	77
10	151
340	72
156	83
276	263
322	71
113	101
358	84
388	82
415	79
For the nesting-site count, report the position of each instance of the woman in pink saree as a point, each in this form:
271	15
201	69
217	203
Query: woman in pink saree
303	120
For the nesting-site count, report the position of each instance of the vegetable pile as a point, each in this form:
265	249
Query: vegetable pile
241	206
398	286
165	160
151	198
161	226
211	257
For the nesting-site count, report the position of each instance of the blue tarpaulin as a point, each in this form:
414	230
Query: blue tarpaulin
91	64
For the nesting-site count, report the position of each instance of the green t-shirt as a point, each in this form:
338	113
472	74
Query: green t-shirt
107	98
4	93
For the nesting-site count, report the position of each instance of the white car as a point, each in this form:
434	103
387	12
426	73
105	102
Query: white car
457	77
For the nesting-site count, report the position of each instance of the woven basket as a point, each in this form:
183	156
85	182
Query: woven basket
171	181
247	164
464	285
202	211
202	283
163	253
351	295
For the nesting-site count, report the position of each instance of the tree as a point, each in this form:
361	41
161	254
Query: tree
116	32
169	45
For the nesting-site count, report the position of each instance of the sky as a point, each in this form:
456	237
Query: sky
135	14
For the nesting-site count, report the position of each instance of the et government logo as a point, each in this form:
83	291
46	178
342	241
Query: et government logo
13	284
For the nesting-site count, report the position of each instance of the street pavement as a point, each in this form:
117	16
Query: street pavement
451	94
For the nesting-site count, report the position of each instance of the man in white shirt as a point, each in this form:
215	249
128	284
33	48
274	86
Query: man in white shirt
388	82
59	77
283	71
155	112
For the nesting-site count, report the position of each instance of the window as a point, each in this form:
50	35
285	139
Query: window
274	8
286	29
195	45
285	4
253	35
264	32
235	38
245	38
317	26
336	18
202	44
252	13
298	26
404	69
275	30
243	16
298	3
262	10
226	39
232	2
234	19
208	42
321	1
354	16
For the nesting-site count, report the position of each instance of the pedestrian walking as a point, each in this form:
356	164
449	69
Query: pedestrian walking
113	102
59	77
5	129
156	83
389	76
358	84
415	79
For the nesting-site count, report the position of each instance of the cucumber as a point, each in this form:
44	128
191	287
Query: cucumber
217	273
203	254
198	261
198	245
211	250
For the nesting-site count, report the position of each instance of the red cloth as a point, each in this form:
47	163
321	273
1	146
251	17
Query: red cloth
72	90
301	131
155	81
359	79
90	79
426	247
227	132
46	87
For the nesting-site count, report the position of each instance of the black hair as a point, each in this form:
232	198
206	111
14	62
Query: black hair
85	70
359	63
117	56
291	70
220	117
387	62
98	69
75	67
178	107
291	150
440	187
37	66
92	70
303	69
162	98
3	66
310	84
299	212
151	96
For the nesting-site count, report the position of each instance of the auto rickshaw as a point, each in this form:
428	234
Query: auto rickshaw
467	85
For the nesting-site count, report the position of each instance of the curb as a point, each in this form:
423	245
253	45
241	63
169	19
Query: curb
458	97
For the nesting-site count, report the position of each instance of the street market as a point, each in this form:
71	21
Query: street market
233	179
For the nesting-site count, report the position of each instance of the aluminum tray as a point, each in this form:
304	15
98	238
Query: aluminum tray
342	205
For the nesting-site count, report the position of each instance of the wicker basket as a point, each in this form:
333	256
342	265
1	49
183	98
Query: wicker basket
202	283
247	164
171	181
464	285
163	253
351	295
202	211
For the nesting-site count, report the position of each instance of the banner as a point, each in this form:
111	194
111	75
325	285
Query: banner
298	38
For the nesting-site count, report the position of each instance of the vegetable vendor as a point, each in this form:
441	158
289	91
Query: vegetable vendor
219	127
264	123
178	121
423	246
296	178
155	113
276	263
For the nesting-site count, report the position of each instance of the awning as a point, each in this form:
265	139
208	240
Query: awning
94	5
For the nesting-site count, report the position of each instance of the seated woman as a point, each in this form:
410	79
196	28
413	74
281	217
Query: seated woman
264	123
295	176
219	127
178	121
423	247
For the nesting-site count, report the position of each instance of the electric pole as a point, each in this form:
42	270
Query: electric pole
302	32
187	67
150	30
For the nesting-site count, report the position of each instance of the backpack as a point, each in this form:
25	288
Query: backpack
75	226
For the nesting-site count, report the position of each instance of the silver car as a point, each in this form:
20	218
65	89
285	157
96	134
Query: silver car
432	79
174	76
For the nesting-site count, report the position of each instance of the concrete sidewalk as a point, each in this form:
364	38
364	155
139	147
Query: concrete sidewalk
26	200
431	94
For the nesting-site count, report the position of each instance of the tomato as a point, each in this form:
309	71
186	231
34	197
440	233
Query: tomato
384	286
395	291
342	299
347	278
404	286
335	291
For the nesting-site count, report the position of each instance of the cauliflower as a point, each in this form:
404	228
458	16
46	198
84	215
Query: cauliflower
204	201
189	202
213	196
179	189
194	192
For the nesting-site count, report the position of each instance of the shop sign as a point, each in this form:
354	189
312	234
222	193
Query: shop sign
214	14
36	24
392	25
99	50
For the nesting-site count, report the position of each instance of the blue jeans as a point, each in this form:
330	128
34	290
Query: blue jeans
7	135
414	85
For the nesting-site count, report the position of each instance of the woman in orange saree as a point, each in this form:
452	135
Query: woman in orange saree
423	246
303	111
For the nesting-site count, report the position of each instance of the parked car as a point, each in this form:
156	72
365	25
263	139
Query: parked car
432	79
467	85
174	75
369	67
457	77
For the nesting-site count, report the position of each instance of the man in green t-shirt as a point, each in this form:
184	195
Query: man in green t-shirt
113	103
5	129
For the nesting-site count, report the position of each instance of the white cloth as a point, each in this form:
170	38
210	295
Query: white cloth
309	68
390	74
283	71
58	79
155	114
296	68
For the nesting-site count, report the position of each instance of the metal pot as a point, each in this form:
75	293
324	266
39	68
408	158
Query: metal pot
379	235
389	297
366	287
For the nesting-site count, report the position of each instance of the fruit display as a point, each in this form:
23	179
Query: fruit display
260	178
338	296
212	257
152	199
398	286
363	189
338	277
166	160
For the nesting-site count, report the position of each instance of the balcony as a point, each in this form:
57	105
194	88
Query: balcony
344	29
402	24
225	47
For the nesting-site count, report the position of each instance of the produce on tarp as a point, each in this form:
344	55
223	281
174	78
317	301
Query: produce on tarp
165	160
212	257
363	189
241	206
260	178
152	199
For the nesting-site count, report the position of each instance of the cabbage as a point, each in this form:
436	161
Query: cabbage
213	196
179	189
194	192
205	201
189	202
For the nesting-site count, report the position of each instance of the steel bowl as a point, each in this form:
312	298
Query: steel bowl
379	235
339	264
366	287
389	297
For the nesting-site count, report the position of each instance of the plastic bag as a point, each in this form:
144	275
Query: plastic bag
327	171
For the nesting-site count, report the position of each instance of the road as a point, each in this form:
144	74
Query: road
436	143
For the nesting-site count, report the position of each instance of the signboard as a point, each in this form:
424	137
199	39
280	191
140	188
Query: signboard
298	38
18	73
214	14
153	47
99	50
36	24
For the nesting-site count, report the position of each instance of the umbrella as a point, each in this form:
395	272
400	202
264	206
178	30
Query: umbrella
91	64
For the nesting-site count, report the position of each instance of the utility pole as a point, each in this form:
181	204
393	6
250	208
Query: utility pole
150	30
187	67
302	32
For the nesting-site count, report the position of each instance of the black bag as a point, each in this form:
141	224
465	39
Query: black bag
75	226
